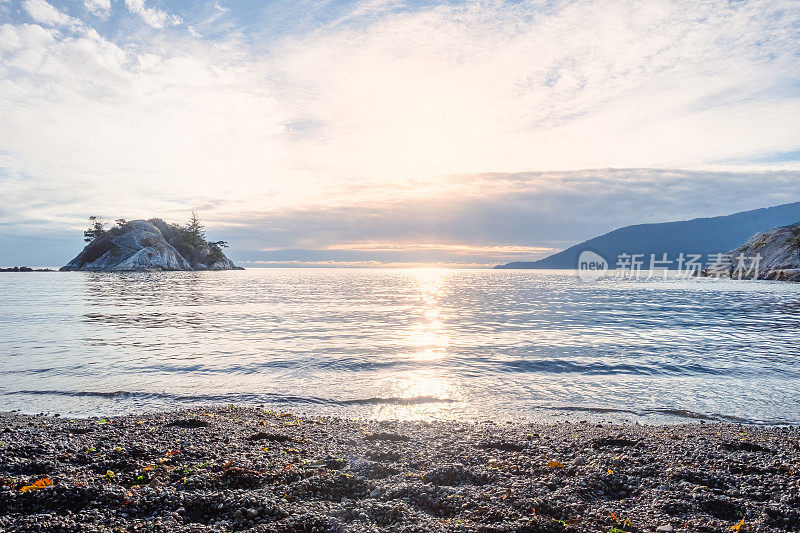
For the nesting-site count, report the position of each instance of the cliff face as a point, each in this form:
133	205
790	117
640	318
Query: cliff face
148	245
779	251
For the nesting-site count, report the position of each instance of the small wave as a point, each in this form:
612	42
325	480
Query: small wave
668	412
163	399
685	413
415	400
595	410
563	366
236	398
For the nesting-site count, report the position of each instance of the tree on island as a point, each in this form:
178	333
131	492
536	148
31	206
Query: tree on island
216	249
196	234
194	246
96	229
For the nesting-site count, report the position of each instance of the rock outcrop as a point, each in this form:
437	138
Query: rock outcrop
773	254
141	245
25	269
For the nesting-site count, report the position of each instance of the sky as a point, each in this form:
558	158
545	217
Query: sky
391	133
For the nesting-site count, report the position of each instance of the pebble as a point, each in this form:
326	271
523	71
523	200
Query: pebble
322	474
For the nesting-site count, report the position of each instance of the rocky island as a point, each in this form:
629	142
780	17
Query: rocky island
24	269
142	245
778	257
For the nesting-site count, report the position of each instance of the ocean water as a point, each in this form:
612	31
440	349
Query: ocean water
407	344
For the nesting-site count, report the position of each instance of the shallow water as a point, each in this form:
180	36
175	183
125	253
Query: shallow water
447	344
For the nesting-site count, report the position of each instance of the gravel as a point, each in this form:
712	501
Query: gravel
249	469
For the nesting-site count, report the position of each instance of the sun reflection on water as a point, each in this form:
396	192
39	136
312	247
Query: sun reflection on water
428	338
429	388
428	392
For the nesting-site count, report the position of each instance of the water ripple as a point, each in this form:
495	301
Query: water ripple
406	344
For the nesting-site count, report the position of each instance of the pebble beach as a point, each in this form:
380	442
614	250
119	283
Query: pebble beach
250	469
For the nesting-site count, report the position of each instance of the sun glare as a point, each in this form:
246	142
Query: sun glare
428	338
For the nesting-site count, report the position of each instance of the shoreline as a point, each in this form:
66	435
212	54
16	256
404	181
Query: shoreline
246	468
542	416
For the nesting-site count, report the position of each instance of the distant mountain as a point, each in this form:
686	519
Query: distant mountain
697	236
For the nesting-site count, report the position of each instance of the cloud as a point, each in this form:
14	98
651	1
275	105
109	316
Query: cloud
44	13
152	16
97	7
497	86
118	126
518	216
442	123
357	264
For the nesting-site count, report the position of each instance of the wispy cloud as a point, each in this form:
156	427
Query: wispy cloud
98	7
454	249
475	111
154	17
358	264
500	86
522	216
44	13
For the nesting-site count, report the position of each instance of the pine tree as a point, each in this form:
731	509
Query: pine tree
96	229
195	230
